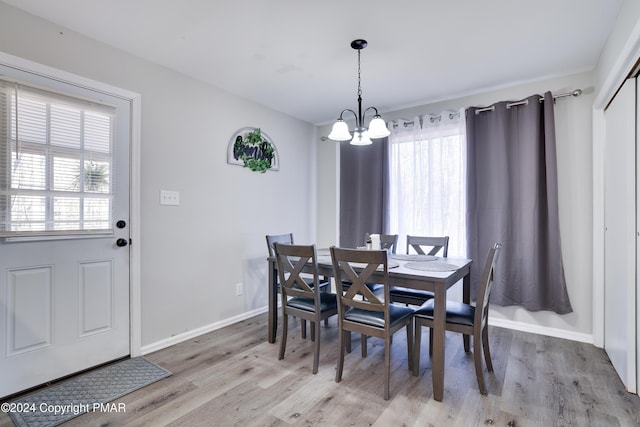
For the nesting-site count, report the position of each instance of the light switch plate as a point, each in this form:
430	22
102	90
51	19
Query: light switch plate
170	198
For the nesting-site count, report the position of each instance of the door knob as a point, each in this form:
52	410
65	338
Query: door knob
121	242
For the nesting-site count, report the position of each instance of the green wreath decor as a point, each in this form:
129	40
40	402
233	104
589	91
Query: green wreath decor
255	151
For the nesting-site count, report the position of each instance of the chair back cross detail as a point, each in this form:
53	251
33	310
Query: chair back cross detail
295	285
358	284
278	238
387	241
436	244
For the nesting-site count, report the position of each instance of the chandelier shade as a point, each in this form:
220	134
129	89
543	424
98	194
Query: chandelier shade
361	135
340	131
378	128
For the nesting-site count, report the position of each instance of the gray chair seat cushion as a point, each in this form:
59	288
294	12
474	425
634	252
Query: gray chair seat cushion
327	302
413	293
376	318
321	283
374	287
457	312
309	280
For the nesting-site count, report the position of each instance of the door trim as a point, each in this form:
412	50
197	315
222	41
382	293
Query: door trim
620	214
135	303
615	77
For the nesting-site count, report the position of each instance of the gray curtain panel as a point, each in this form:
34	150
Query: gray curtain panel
363	191
513	199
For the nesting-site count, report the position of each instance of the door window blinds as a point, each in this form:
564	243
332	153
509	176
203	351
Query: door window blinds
56	163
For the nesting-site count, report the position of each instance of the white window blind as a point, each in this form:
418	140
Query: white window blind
56	163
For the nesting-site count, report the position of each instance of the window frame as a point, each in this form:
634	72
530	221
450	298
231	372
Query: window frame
10	149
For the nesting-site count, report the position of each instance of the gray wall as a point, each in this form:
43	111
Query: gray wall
192	255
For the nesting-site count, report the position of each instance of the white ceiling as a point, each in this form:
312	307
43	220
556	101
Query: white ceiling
295	56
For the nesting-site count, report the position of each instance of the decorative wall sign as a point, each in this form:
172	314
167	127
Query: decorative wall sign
253	149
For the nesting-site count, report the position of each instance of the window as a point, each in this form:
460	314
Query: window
56	163
428	179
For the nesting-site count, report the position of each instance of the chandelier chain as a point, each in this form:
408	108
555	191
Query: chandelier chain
359	88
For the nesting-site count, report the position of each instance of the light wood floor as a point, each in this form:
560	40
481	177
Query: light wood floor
233	377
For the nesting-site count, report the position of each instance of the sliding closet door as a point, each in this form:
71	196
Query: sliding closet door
620	234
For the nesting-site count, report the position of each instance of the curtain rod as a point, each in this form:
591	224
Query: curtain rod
432	119
576	92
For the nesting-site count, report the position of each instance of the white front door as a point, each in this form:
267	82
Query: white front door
620	234
64	296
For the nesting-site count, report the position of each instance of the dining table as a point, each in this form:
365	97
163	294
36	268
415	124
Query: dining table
427	273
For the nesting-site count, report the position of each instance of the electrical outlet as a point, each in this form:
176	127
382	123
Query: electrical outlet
239	289
171	198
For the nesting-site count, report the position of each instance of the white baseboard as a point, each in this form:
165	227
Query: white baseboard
176	339
502	323
541	330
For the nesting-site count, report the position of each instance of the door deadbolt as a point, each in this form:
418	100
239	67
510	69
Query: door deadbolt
121	224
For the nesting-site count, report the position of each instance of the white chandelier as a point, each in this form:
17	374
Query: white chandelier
361	134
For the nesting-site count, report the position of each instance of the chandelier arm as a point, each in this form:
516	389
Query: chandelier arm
365	112
350	110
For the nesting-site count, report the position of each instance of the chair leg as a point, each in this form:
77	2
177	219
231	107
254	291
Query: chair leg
465	342
430	342
341	348
477	360
416	347
303	328
283	341
312	328
326	289
485	348
363	345
387	366
316	347
410	345
348	340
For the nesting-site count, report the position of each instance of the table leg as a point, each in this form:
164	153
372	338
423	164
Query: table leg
438	342
273	302
466	298
327	289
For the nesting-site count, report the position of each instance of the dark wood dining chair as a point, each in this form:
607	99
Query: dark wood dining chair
432	244
422	245
465	319
363	311
299	298
387	241
323	283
